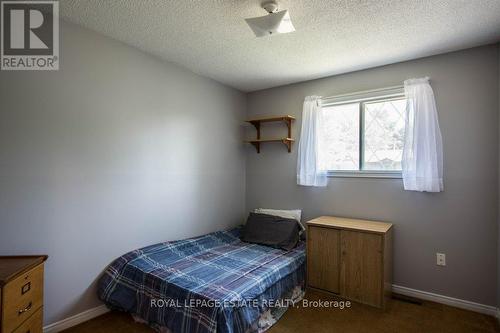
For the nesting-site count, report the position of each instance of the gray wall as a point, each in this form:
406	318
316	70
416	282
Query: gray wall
115	151
498	261
461	221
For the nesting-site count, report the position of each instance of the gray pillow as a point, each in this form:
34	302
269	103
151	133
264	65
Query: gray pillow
270	230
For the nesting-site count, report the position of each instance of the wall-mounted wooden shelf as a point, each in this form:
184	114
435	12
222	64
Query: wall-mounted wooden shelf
287	119
286	141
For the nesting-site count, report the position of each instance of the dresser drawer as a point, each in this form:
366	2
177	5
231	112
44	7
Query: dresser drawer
22	297
33	324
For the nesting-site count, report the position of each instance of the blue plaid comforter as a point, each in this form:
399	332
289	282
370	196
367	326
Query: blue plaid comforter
212	283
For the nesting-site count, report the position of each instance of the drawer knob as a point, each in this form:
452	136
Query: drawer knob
26	309
25	288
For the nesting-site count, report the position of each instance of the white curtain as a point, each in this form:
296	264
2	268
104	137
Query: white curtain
423	148
308	169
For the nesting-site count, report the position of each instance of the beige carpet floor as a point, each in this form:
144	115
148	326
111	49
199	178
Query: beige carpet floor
399	317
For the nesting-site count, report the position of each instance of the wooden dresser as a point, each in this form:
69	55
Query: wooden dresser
21	294
350	258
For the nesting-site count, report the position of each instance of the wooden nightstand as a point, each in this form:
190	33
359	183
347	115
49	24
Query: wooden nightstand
350	258
21	294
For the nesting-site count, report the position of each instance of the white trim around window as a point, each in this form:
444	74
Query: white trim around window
365	174
361	97
366	95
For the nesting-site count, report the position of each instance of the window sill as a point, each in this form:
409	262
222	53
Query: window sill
365	174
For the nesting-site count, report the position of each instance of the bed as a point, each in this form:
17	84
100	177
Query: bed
211	283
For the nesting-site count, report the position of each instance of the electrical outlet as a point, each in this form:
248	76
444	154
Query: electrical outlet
440	259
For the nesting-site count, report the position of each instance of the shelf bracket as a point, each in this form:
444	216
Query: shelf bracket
288	145
257	146
256	124
288	122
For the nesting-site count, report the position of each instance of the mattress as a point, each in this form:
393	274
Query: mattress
211	283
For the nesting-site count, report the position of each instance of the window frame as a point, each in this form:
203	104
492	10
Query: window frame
363	97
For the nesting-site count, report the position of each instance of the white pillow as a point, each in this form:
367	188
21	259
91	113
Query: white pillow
288	214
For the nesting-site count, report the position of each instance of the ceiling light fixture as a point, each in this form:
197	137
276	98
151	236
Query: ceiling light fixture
276	22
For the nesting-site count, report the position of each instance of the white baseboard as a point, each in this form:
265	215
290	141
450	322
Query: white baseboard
424	295
459	303
75	320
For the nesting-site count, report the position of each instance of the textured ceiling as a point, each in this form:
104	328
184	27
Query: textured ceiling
211	38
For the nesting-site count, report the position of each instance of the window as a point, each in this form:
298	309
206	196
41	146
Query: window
363	134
